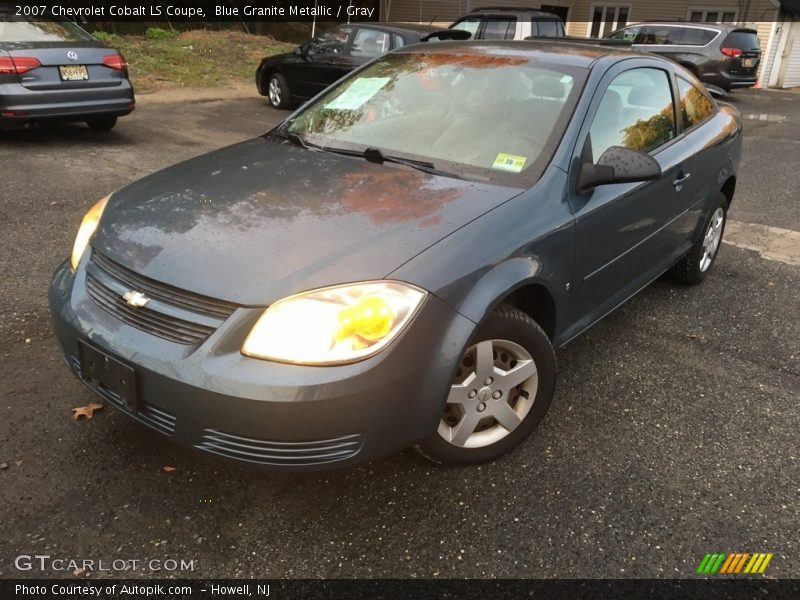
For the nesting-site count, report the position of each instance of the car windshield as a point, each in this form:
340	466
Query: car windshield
12	30
478	116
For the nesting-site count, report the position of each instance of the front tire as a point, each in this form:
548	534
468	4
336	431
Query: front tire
501	391
695	266
102	123
278	92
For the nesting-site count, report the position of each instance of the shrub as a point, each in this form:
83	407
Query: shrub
156	33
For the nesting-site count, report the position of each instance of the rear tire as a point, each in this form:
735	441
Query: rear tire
278	92
102	123
695	266
501	391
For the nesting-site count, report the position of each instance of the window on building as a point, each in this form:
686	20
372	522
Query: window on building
606	19
696	106
697	15
636	112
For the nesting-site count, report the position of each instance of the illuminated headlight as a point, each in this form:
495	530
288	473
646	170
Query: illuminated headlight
334	325
86	230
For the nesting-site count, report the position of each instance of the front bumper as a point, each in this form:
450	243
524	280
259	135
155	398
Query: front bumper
267	414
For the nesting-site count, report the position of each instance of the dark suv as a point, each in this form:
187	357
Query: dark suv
725	56
508	23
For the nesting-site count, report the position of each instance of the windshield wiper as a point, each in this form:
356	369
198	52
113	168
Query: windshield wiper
373	155
376	156
298	140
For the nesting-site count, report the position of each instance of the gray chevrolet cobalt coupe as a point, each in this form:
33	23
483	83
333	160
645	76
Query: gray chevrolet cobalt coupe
54	70
394	264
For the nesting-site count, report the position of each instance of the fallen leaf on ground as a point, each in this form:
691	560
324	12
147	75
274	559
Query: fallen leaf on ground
78	572
168	469
692	336
85	411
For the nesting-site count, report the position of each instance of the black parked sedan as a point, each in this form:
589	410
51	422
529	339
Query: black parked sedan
287	79
394	264
54	70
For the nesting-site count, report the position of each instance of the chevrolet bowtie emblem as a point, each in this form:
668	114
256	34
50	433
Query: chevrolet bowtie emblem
135	299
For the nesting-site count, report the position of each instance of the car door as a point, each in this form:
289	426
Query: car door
319	63
627	234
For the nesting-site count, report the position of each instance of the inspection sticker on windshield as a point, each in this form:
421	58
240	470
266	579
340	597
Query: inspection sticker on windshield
510	162
358	93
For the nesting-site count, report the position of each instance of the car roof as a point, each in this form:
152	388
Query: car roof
400	27
694	24
552	50
521	9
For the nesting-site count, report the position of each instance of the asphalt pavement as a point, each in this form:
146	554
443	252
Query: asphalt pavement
673	432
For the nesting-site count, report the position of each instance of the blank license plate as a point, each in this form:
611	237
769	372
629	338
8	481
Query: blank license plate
99	369
747	62
73	72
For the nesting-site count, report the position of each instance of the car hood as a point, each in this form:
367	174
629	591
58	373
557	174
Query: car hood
262	219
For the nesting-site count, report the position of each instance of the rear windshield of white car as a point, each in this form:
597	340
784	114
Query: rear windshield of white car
483	117
41	31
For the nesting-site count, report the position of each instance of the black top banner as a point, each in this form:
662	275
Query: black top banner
186	11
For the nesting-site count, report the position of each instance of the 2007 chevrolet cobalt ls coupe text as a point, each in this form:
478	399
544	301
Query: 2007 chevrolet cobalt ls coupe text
394	263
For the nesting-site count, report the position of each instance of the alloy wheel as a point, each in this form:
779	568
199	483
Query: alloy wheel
493	391
712	239
274	91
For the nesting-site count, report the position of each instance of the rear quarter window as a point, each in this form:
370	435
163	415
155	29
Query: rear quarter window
696	107
547	28
742	39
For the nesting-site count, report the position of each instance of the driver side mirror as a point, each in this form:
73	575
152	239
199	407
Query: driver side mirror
618	165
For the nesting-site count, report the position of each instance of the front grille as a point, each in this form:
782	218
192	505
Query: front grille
197	303
285	454
152	416
202	315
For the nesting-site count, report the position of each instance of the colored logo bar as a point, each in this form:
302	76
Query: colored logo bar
737	562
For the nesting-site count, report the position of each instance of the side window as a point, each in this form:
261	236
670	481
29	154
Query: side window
628	34
694	36
370	42
695	105
330	42
499	28
549	28
470	24
398	41
636	112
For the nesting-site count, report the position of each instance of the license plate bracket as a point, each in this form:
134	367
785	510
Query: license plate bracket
101	370
73	72
747	63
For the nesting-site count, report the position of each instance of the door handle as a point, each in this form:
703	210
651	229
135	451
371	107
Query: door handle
682	178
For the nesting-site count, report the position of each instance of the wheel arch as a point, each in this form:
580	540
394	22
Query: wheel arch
728	188
517	282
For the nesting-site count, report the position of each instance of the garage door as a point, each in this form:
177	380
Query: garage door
790	67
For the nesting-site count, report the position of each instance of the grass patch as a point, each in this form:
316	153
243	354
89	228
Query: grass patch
162	59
